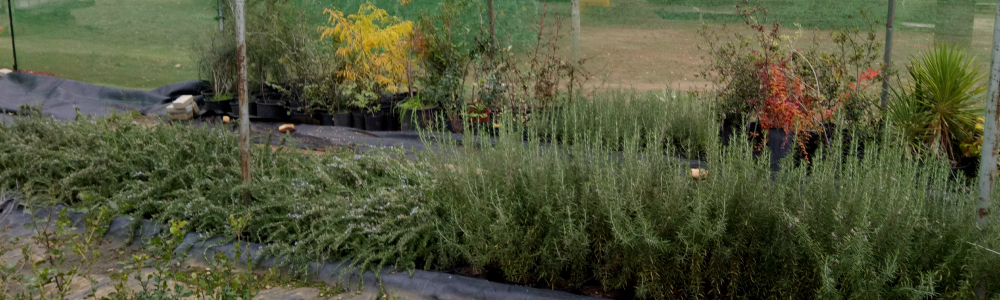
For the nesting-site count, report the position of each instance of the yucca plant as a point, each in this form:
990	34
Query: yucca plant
940	107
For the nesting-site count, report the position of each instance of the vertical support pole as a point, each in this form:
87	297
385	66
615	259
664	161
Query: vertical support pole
241	84
10	20
888	53
220	15
988	163
576	30
493	21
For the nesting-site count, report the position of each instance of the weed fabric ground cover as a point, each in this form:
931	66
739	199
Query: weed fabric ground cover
197	250
64	99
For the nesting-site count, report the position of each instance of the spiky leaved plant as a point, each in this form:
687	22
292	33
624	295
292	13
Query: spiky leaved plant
939	109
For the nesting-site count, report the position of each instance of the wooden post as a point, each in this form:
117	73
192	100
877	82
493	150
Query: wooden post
576	30
241	85
888	53
988	162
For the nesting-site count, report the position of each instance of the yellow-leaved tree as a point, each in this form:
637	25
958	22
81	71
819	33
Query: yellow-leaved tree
375	48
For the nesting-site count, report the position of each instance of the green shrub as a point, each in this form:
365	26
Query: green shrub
441	43
623	215
884	226
684	121
192	173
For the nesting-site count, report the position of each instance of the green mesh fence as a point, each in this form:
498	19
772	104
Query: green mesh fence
647	44
143	43
653	44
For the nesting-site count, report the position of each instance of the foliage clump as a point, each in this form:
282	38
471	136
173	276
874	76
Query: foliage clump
375	49
766	78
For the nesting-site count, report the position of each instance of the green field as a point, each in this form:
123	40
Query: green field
148	43
136	44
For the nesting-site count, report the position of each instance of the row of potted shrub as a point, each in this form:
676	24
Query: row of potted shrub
392	114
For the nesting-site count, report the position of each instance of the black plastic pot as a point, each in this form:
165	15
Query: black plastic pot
206	95
417	118
234	108
219	107
393	98
301	114
375	121
359	119
272	110
780	144
391	116
343	119
726	131
326	119
392	121
409	121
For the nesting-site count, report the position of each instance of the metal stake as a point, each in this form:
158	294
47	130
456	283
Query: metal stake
241	84
10	19
220	15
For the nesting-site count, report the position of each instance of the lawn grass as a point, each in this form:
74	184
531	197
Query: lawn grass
132	44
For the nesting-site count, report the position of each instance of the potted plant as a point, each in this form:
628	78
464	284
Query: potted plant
478	113
325	97
939	110
219	103
374	50
336	112
389	105
300	101
251	106
271	104
792	93
415	113
220	99
214	61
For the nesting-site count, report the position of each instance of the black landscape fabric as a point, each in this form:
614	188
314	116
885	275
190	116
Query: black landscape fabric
61	98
